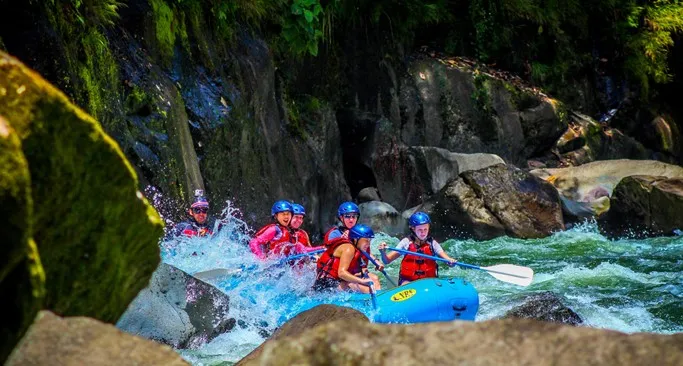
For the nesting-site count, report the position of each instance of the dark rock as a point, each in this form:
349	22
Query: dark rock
456	211
52	340
644	206
309	319
178	309
546	307
526	206
494	342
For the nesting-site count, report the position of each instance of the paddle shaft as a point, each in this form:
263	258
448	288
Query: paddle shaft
297	256
377	265
457	263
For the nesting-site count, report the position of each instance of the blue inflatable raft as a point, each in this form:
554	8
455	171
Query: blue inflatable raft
425	300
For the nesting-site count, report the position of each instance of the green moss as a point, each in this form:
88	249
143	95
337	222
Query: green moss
164	22
21	278
481	96
99	75
96	235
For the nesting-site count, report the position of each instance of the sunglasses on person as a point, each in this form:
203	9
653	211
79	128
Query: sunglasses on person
200	210
350	216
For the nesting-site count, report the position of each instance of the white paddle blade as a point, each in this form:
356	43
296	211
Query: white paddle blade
215	273
510	273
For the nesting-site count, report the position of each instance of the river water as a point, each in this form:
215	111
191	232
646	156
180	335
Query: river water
627	285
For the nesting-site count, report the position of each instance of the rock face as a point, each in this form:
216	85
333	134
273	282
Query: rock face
546	307
178	309
96	234
495	342
52	340
495	201
305	321
645	206
22	279
584	187
380	216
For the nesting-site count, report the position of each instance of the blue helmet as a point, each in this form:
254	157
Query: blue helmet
281	206
298	209
361	231
419	218
347	208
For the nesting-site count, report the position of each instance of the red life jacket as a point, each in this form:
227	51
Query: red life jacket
302	237
192	230
328	264
326	238
282	245
414	267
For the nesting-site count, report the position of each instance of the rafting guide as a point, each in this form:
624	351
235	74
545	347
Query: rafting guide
199	224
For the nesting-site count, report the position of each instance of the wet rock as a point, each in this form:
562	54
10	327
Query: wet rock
52	340
309	319
368	194
382	217
22	279
456	211
178	309
494	342
583	187
526	206
644	206
96	234
546	307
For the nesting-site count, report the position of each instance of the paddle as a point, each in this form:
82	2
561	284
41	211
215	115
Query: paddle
220	272
377	265
509	273
372	291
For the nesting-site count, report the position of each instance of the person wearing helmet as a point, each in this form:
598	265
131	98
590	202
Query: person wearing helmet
341	265
348	214
199	223
414	267
275	238
298	214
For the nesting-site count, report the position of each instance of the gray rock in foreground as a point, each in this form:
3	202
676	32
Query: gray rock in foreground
52	340
495	342
545	306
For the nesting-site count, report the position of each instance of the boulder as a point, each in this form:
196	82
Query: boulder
456	211
96	234
494	342
305	321
368	194
382	217
178	309
22	279
52	340
526	206
645	206
583	187
545	306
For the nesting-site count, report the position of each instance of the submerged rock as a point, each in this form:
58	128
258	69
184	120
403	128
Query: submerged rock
305	321
178	309
546	307
22	279
96	234
494	342
52	340
645	206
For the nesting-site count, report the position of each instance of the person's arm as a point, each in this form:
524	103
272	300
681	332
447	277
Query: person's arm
346	252
256	244
392	256
438	250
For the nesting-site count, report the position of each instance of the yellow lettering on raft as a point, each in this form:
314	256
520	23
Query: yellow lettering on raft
403	295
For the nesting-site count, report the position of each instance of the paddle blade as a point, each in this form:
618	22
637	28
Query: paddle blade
215	273
510	273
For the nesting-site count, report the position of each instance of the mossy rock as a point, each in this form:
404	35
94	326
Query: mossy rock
96	234
21	276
